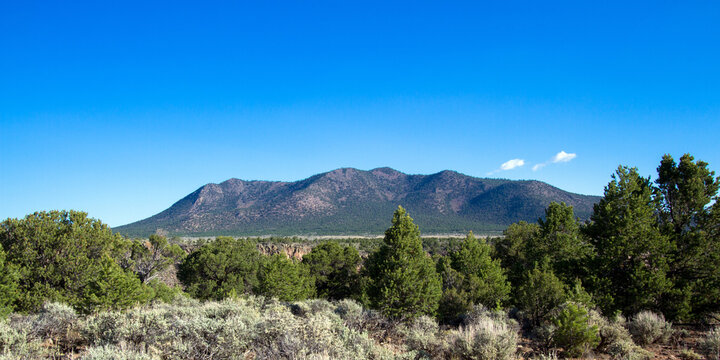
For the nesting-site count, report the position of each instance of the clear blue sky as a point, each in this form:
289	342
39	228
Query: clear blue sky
122	108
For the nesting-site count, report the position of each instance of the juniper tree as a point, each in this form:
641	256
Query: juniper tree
403	283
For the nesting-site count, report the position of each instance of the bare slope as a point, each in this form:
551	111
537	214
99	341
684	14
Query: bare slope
351	201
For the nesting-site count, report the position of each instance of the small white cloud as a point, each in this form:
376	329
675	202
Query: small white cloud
538	166
511	164
562	156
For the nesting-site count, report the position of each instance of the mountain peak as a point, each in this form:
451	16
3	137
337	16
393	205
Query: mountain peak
352	201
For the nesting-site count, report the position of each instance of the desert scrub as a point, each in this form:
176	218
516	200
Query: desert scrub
422	336
615	339
484	337
709	345
572	330
648	328
113	353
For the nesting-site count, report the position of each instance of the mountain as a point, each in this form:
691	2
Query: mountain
350	201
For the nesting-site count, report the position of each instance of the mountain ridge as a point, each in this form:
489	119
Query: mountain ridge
350	201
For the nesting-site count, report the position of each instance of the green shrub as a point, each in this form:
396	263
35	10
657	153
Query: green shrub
687	354
647	327
335	269
66	256
573	332
540	293
221	268
284	279
709	345
484	338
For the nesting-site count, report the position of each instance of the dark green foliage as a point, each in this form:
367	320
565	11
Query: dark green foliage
560	243
335	270
149	258
573	332
221	268
686	189
455	300
512	249
59	255
631	264
113	288
8	285
484	279
403	281
539	294
285	280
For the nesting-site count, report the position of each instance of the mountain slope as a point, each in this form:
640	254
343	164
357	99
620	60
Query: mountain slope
351	201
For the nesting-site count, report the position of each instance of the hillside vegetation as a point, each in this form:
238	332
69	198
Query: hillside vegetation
350	201
559	287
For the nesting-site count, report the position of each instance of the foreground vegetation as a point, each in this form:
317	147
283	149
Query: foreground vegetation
565	287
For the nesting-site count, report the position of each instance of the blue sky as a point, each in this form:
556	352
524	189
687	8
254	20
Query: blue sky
120	109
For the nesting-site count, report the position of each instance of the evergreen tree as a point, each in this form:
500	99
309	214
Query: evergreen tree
540	292
686	190
221	268
403	281
483	277
285	280
58	254
631	265
512	249
8	285
560	243
335	269
113	288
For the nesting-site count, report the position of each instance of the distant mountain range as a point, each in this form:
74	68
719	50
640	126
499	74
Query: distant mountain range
349	202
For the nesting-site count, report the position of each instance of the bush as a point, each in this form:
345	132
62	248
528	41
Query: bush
709	345
573	332
221	268
422	336
484	338
113	353
284	279
540	293
648	328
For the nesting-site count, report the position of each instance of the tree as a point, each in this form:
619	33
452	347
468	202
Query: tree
335	270
149	258
483	277
114	288
220	269
285	280
686	190
8	285
631	264
540	292
560	243
58	254
512	249
403	281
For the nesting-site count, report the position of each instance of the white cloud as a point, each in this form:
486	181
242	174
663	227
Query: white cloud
562	156
539	166
511	164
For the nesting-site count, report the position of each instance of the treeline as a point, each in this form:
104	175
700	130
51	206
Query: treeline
648	246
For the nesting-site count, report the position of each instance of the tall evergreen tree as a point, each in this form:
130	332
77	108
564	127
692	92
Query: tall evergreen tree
561	244
403	281
631	264
483	277
686	190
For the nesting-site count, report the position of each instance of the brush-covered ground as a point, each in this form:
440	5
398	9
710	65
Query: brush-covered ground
261	328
